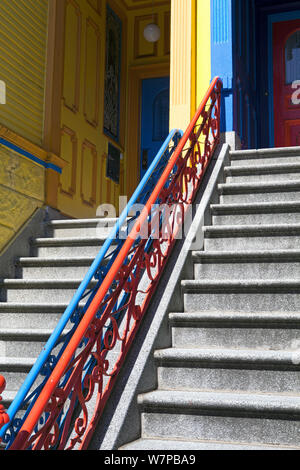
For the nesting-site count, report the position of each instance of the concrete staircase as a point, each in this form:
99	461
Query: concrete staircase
231	379
32	303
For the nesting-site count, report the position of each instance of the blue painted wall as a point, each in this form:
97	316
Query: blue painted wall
241	54
222	57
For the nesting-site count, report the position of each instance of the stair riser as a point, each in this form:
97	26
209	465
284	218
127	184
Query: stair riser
14	380
238	338
257	219
220	428
82	232
66	251
50	272
247	243
242	302
260	160
40	295
247	271
262	177
246	198
227	378
25	320
27	348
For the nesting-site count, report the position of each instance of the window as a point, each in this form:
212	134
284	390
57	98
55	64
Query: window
292	58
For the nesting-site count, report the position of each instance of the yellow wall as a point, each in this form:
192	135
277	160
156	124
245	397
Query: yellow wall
203	51
21	192
190	58
84	146
23	45
23	41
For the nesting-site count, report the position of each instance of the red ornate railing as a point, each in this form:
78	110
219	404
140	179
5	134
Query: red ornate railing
4	418
63	416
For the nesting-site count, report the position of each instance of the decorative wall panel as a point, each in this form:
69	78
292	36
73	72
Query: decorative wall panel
92	73
112	74
73	27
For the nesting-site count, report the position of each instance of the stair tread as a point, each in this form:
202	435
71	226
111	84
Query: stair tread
261	167
219	355
42	282
17	361
274	254
260	185
286	283
79	222
230	401
234	317
187	445
55	260
67	240
4	306
251	228
256	206
277	151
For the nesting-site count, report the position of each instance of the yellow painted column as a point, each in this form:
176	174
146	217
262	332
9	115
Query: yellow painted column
180	63
190	58
203	49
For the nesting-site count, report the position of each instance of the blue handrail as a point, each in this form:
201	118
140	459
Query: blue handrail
174	135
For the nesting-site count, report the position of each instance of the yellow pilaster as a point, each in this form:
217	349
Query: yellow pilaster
181	63
190	58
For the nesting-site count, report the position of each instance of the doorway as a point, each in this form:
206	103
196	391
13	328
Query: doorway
286	82
154	119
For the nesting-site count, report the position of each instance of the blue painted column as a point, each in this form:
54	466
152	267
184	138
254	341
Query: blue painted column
222	56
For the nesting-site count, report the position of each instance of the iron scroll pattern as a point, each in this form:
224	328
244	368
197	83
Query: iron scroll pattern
75	405
60	345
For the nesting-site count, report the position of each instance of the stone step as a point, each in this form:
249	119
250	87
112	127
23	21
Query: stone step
81	227
256	213
15	371
265	156
241	296
252	237
189	445
30	315
238	370
276	265
241	193
53	268
39	291
219	416
68	247
240	330
267	172
22	342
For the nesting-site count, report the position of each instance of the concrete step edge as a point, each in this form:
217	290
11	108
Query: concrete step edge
255	208
257	286
234	319
278	151
258	256
251	230
52	262
68	241
188	445
75	223
286	359
12	307
16	363
259	187
23	334
43	283
222	403
276	168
